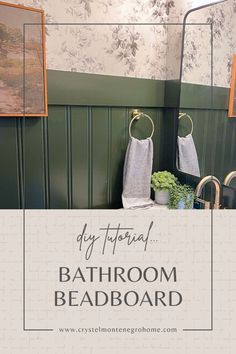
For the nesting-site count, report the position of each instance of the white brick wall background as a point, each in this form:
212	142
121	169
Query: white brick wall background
183	238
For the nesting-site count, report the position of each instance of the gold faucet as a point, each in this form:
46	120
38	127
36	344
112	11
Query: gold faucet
229	178
204	181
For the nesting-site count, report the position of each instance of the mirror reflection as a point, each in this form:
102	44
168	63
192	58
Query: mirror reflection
206	132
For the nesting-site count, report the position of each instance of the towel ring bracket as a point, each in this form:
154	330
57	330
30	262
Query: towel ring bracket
137	116
181	115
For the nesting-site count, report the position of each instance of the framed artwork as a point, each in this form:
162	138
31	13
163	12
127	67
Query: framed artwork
23	89
232	95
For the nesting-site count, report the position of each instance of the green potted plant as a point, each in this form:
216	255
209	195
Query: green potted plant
162	182
181	197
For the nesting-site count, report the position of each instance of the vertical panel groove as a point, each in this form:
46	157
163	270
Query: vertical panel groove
90	158
20	162
69	155
46	163
127	125
158	134
109	158
232	152
205	134
214	162
222	147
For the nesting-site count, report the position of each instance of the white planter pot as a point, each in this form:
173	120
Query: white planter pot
162	197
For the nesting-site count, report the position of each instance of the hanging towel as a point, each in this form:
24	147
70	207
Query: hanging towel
187	159
137	174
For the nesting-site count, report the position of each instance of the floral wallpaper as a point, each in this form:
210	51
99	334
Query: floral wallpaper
144	51
135	51
197	44
197	52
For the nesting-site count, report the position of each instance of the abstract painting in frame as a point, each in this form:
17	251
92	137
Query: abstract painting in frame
232	95
23	90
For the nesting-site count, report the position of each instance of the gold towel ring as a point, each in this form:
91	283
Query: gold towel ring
137	117
181	115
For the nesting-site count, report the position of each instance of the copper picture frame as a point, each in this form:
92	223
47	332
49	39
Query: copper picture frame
232	94
23	81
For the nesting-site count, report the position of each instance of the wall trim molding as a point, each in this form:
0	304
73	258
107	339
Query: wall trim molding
199	97
81	89
70	88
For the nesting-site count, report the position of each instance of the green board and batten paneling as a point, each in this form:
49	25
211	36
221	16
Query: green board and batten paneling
214	133
72	159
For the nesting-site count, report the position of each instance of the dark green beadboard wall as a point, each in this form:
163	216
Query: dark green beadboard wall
215	140
214	133
72	159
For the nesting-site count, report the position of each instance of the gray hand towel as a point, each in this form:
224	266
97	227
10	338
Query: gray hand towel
187	159
137	174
